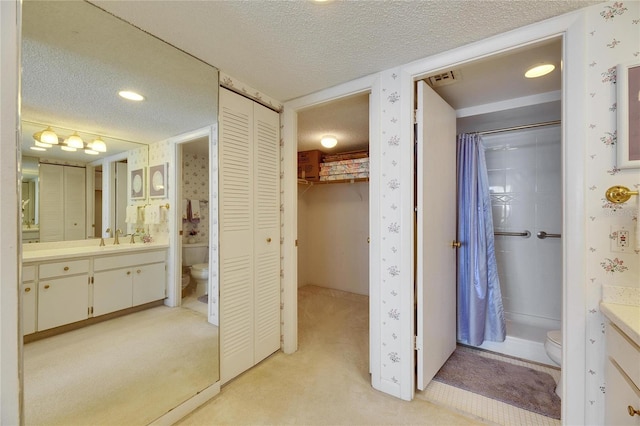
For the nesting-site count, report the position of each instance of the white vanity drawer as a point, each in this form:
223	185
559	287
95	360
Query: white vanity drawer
123	261
59	269
28	273
625	352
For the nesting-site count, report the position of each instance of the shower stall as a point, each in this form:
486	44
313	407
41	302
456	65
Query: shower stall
524	167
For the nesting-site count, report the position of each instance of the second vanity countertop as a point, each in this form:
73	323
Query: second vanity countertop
51	252
625	317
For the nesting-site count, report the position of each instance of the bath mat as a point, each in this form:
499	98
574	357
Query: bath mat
204	298
515	385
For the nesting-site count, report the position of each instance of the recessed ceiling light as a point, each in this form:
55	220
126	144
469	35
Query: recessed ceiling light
539	70
329	141
132	96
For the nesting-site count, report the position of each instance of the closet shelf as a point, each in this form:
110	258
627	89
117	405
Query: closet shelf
324	182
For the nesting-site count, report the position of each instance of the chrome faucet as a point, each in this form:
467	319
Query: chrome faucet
116	240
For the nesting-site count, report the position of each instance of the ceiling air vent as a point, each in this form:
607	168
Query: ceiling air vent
444	78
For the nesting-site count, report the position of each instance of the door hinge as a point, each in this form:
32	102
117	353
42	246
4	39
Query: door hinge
415	343
415	116
90	310
91	279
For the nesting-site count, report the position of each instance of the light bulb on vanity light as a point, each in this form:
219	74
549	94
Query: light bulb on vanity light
98	145
75	141
328	141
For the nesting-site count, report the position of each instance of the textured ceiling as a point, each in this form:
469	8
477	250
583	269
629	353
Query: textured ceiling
288	49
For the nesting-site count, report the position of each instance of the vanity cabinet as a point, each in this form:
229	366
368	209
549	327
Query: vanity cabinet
28	294
63	293
121	282
622	379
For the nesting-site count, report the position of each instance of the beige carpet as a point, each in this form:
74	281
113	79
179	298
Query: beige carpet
326	382
125	371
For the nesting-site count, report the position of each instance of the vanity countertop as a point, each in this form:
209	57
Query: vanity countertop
625	317
59	253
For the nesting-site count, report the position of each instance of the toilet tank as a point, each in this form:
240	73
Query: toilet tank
194	253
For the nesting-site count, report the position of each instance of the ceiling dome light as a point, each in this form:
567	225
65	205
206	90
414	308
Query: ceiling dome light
539	70
132	96
75	141
98	145
329	141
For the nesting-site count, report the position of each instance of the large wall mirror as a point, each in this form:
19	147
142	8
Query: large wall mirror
75	59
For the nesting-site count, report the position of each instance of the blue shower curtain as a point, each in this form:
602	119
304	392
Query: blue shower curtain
480	310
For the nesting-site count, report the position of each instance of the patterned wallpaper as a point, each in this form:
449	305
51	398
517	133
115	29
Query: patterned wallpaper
160	153
391	277
613	37
195	186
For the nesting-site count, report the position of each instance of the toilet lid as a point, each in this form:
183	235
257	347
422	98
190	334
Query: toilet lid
200	266
555	336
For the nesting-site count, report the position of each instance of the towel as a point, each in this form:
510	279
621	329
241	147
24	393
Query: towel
131	214
195	211
185	210
152	214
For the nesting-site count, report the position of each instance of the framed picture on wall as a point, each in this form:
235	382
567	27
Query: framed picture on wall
137	184
628	82
158	181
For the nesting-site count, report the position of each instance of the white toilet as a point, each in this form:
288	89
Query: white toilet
553	346
196	256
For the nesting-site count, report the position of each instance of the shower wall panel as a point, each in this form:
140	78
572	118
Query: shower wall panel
525	177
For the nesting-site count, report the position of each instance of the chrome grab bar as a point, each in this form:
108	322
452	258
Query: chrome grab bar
525	234
542	235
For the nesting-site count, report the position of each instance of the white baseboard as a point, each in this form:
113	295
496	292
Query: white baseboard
177	413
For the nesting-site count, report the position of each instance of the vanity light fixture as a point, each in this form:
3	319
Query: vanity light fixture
329	141
132	96
75	141
47	136
539	70
41	145
97	145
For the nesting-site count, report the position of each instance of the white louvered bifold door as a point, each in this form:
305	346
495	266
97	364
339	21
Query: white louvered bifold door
267	231
75	205
236	235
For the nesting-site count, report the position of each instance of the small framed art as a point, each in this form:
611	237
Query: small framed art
137	184
158	181
628	110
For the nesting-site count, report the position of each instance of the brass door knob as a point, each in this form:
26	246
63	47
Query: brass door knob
128	272
269	239
27	290
46	286
66	268
455	244
633	411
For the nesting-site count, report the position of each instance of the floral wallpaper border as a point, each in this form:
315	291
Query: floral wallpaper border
237	86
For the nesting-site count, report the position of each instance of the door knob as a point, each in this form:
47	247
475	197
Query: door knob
46	286
455	244
27	290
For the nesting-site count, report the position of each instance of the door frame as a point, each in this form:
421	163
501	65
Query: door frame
368	84
570	27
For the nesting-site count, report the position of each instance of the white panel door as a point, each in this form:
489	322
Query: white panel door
266	232
75	206
436	230
52	202
236	235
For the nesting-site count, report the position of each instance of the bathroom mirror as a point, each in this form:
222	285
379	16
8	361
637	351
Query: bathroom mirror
75	59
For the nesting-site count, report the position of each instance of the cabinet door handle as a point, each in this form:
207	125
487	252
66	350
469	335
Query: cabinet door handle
66	268
138	271
269	239
27	289
128	272
46	286
633	411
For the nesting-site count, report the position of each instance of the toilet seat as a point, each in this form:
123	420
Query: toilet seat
200	267
555	337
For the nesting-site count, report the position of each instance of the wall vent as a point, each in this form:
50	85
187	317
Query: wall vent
444	78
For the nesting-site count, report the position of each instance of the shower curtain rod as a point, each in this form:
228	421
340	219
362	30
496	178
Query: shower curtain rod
526	126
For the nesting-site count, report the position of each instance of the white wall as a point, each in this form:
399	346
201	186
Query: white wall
525	180
333	227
